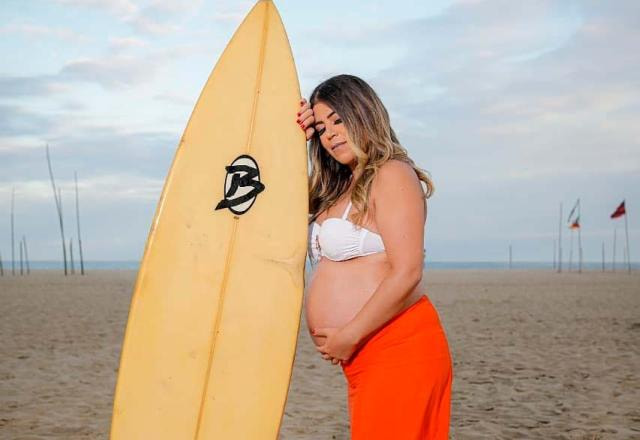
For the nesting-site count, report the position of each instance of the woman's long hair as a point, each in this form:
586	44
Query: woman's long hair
374	143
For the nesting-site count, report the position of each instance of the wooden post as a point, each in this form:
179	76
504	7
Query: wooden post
26	254
57	196
64	248
73	269
75	175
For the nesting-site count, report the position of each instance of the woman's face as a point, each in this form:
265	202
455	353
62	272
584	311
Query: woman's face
333	134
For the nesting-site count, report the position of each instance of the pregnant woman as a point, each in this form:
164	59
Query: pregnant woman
365	307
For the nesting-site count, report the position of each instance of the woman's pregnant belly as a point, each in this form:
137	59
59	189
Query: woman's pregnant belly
338	290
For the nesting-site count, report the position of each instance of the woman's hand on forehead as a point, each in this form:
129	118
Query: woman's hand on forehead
306	119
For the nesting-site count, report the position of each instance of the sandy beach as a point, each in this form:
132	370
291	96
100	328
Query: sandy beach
537	355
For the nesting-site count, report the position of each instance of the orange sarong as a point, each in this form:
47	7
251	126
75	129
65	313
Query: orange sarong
399	381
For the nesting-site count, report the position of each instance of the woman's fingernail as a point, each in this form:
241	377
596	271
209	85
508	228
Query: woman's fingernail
298	113
298	121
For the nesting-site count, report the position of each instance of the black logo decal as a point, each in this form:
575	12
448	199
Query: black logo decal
241	185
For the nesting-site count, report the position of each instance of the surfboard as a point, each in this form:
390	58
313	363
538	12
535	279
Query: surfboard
211	333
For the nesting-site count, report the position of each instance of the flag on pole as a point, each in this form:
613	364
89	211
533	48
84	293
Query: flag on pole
572	211
575	224
620	211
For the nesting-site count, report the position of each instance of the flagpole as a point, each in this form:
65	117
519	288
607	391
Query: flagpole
560	241
13	247
579	240
624	255
554	255
571	251
603	256
21	273
613	265
626	232
579	251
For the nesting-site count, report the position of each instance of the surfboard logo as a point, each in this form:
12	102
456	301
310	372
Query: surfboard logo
241	185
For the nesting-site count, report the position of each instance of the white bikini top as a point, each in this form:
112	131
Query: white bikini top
338	239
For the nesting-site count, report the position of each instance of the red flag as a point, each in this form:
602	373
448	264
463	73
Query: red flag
620	211
575	224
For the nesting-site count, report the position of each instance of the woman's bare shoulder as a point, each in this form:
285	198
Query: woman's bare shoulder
395	169
394	173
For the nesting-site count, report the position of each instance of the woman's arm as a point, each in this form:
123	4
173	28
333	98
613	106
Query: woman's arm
400	216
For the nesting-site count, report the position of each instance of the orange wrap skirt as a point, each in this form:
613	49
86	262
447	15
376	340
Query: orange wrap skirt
399	381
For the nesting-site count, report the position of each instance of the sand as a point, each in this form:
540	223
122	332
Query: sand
536	355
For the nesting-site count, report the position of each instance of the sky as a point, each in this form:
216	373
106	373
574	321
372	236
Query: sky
513	107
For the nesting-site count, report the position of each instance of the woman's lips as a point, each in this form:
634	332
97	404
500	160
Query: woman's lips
338	145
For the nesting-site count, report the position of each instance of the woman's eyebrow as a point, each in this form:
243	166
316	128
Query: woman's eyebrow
322	122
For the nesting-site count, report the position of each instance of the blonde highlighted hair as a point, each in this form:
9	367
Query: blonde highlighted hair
374	143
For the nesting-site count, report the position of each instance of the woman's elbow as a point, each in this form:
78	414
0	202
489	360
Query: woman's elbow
410	275
416	275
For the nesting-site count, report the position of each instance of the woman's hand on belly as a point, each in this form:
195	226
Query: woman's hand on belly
339	344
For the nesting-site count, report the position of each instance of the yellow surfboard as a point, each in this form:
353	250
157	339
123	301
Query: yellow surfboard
211	335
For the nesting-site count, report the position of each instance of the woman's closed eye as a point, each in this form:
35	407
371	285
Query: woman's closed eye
321	130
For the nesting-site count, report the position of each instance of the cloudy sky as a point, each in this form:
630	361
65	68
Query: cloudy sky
512	106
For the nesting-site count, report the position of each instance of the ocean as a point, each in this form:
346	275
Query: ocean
499	265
